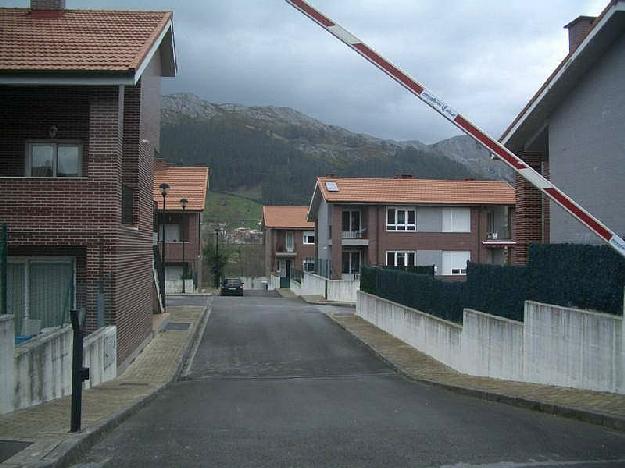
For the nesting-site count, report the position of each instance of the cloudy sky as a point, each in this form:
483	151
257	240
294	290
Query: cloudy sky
484	57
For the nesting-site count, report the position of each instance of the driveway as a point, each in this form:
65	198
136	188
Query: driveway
276	383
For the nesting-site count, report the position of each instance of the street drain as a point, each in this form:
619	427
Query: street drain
177	326
8	448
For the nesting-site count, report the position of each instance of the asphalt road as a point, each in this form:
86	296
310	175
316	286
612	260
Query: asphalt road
275	383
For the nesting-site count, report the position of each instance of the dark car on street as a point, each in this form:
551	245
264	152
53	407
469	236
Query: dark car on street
232	287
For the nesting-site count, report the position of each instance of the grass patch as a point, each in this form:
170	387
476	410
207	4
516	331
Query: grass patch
233	210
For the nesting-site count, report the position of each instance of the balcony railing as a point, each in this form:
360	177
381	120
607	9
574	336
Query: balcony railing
499	235
359	234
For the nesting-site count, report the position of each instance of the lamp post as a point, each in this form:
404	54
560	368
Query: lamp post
217	258
164	191
183	202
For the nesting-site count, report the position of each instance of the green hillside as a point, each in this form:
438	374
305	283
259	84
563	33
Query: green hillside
234	210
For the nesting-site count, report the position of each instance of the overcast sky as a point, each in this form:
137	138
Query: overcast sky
484	57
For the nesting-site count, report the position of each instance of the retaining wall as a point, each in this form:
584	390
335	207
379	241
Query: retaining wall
40	369
554	346
332	290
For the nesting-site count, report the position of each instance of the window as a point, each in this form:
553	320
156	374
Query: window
128	203
309	237
401	258
351	220
172	233
457	220
455	263
53	159
289	241
351	262
309	264
401	219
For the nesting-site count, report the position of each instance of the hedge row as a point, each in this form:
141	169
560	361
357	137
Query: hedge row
583	276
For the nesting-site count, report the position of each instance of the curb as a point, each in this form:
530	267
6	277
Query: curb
68	451
605	420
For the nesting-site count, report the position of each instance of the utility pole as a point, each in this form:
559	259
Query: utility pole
217	258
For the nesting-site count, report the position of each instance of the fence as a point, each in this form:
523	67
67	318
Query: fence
584	276
4	242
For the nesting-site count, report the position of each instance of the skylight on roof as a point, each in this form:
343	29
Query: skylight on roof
331	186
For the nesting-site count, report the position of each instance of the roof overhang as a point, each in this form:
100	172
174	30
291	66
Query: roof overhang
609	28
165	42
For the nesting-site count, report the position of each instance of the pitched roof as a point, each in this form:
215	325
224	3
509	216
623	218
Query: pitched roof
416	191
599	37
184	182
286	217
78	41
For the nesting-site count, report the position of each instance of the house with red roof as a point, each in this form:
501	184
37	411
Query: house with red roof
80	120
407	222
572	131
177	223
289	239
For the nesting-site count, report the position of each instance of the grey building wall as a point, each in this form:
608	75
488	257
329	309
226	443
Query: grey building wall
587	148
151	102
323	234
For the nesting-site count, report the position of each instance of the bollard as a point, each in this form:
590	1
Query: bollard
79	373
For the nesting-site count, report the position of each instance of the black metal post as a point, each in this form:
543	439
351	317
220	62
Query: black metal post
184	265
163	252
79	373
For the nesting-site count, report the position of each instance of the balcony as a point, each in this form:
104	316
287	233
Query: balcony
354	237
498	238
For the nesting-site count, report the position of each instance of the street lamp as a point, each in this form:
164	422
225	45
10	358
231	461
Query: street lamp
164	191
183	202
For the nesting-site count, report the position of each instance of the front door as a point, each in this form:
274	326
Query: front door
351	264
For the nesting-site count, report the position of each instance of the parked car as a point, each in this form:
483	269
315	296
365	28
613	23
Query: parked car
232	287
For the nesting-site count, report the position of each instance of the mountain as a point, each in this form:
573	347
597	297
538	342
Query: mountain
273	154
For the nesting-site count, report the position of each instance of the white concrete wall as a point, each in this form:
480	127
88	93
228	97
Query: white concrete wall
254	282
554	346
175	286
274	282
7	353
573	348
332	290
493	346
297	287
100	356
40	369
343	290
314	285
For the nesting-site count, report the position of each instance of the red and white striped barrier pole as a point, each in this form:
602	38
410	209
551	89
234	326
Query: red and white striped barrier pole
464	124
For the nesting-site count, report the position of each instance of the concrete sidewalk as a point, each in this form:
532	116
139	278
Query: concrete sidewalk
606	409
46	426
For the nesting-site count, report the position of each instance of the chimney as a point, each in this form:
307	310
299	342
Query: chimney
47	5
578	29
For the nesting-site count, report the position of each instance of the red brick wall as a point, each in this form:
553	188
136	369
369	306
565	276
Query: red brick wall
531	217
278	244
82	217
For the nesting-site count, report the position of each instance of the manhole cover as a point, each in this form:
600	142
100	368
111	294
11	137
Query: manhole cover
177	326
8	448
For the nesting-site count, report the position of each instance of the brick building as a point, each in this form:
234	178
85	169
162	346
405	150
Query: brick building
182	227
289	240
80	120
409	222
572	132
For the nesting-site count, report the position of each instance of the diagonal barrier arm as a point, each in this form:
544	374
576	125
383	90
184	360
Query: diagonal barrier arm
464	124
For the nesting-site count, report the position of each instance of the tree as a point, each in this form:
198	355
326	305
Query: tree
217	259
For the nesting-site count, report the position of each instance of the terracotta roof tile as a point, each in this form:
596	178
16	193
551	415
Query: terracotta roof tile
285	217
184	182
417	191
77	40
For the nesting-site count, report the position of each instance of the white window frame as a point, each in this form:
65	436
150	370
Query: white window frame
405	254
451	216
309	261
289	241
26	261
308	234
56	143
401	227
452	262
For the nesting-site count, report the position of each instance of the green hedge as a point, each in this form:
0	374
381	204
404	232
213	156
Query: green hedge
497	290
440	298
572	275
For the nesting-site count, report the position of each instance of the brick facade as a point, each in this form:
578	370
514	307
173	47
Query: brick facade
531	222
81	217
275	242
